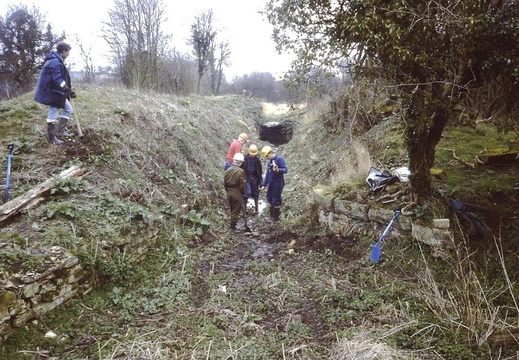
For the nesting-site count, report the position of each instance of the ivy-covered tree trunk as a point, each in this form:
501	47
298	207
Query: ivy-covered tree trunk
425	120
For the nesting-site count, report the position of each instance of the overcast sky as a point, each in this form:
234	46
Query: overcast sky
239	22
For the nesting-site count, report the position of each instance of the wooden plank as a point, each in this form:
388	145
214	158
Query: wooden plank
36	194
498	157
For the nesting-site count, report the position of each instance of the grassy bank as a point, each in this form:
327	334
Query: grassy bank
290	290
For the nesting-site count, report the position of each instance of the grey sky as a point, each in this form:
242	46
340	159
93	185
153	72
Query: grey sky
239	21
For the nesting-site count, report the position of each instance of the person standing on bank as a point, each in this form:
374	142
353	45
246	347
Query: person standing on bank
234	148
254	172
54	89
234	182
274	181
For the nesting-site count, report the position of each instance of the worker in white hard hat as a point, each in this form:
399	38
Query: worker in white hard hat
234	148
234	182
274	181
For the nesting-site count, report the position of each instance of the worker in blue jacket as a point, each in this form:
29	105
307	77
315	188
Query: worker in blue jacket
274	181
54	89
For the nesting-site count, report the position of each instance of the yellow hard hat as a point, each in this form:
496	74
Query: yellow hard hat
266	150
244	136
253	149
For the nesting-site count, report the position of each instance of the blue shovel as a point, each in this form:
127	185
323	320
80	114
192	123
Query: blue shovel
10	148
376	250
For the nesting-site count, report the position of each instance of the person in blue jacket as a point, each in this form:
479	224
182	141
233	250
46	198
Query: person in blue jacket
274	181
54	89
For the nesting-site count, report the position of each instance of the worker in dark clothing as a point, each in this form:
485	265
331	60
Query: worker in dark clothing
274	181
54	89
253	171
234	183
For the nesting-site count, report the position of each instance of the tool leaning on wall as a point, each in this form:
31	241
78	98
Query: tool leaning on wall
10	148
376	249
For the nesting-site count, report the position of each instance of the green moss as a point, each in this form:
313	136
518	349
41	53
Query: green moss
7	299
468	142
437	173
323	190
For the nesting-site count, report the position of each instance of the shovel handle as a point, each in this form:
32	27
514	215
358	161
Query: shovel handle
395	215
79	131
10	148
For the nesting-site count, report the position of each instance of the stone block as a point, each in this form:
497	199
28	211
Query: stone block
384	216
44	308
441	223
31	290
23	318
351	209
48	287
345	225
431	236
323	198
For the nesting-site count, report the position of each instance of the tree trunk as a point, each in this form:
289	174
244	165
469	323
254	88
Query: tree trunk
199	83
425	120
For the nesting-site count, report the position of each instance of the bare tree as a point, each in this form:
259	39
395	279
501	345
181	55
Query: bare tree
202	42
212	67
179	74
258	85
86	56
221	59
134	34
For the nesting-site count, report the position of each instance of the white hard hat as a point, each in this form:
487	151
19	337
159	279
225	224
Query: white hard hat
238	157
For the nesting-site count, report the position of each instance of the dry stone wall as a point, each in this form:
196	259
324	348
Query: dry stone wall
349	217
29	295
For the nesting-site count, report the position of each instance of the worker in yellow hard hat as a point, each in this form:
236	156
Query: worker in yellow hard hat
254	172
234	148
274	181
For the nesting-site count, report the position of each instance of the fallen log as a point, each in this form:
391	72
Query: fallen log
36	194
498	157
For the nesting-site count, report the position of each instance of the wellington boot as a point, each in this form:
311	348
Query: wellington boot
51	134
62	128
256	209
271	217
232	226
276	212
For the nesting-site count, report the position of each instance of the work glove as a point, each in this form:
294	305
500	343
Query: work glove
72	95
66	89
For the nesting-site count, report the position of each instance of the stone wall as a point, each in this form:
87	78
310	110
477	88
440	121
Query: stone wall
349	217
29	295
